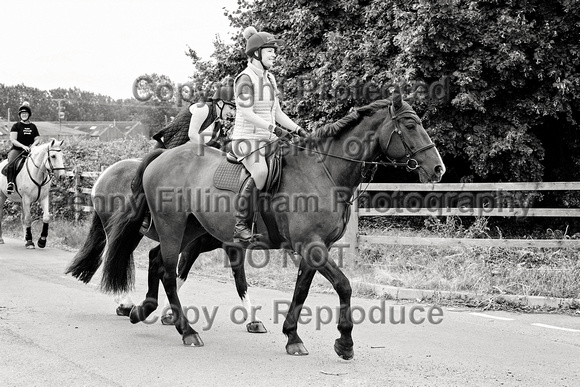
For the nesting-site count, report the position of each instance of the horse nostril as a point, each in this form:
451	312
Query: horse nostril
439	170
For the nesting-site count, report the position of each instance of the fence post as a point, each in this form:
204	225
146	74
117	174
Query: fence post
77	196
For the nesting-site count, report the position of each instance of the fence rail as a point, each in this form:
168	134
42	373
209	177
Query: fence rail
352	238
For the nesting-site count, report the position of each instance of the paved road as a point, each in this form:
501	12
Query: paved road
56	331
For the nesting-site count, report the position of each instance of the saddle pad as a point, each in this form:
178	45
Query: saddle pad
229	176
17	164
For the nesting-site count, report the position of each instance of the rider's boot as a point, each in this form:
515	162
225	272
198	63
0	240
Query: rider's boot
10	178
242	230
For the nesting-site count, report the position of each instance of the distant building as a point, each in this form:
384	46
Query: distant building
133	128
109	130
50	130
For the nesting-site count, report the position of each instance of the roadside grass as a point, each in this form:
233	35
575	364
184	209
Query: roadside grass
486	271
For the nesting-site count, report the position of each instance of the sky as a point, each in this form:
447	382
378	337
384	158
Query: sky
102	46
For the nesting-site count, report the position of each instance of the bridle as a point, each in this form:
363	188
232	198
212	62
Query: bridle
411	164
50	168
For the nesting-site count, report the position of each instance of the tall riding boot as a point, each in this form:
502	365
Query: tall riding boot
242	230
10	178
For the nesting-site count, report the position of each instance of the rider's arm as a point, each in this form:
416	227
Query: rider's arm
199	113
284	120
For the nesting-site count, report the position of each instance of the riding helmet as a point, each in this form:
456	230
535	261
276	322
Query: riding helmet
25	107
256	40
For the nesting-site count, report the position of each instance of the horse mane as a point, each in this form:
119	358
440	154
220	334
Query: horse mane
350	120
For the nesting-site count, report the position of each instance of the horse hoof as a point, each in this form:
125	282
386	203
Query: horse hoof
167	319
256	327
1	241
29	245
123	310
296	349
193	340
42	242
346	353
134	315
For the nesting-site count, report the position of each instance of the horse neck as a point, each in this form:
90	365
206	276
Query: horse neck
346	169
36	166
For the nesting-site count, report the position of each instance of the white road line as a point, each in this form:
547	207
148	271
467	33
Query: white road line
490	316
554	327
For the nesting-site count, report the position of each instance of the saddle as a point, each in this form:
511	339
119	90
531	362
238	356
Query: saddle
17	164
231	173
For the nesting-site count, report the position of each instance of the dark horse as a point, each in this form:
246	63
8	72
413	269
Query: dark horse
328	166
112	191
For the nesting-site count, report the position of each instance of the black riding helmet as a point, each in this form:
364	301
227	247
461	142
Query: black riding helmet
25	107
224	90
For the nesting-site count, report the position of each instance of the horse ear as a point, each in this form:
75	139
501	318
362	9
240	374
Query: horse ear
52	141
397	101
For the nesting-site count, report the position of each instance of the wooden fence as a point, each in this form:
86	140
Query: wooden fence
497	199
502	199
80	192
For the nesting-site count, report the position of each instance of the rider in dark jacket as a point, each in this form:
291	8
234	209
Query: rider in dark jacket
23	135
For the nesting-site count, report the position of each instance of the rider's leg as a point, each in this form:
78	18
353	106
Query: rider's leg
10	172
256	164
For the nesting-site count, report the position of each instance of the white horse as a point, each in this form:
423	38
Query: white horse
33	184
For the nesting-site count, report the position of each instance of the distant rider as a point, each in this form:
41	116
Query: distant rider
23	135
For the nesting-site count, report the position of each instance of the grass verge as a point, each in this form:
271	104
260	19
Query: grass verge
489	273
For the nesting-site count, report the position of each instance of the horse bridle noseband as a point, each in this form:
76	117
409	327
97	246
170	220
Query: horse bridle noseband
51	168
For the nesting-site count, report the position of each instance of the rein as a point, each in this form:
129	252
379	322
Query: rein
411	164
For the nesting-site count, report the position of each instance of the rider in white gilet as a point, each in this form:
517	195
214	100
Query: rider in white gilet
257	112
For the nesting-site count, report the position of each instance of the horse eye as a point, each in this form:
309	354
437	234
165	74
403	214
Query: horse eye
410	125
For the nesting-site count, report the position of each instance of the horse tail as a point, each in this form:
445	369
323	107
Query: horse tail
124	235
88	259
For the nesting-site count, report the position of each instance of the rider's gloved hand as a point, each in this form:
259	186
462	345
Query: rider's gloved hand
281	132
301	132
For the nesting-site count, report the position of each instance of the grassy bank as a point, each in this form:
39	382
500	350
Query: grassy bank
486	271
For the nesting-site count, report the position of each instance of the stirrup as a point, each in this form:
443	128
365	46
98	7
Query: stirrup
10	188
146	225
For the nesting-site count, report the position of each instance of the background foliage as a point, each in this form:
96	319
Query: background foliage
510	105
512	67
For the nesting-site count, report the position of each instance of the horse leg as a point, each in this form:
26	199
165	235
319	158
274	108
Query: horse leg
27	223
170	256
2	200
315	256
295	346
45	221
237	257
141	312
343	346
186	260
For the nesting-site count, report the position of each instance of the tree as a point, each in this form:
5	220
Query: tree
496	82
